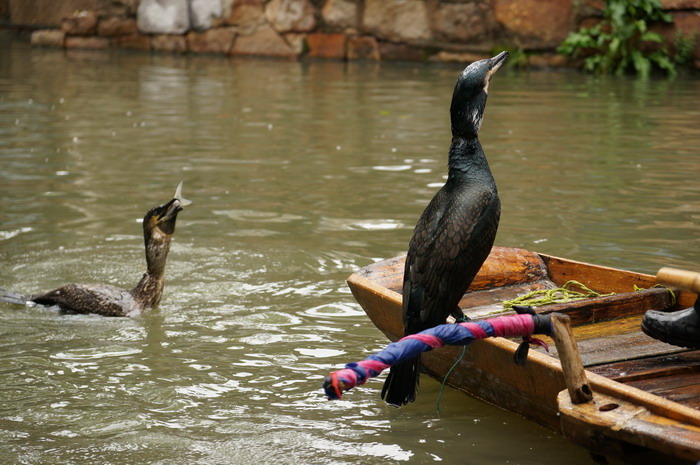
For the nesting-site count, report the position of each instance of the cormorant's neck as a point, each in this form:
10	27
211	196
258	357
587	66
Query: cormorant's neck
466	156
467	113
157	248
150	289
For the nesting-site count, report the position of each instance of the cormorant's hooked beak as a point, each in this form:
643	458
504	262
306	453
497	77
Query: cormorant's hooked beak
167	213
496	62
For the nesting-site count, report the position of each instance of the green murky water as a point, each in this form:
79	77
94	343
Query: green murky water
300	173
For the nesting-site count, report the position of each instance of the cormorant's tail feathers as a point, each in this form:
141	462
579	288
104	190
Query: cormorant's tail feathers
401	385
12	297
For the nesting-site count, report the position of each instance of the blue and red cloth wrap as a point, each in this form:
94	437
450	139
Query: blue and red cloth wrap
459	334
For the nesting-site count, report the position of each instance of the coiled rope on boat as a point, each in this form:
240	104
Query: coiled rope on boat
563	294
566	293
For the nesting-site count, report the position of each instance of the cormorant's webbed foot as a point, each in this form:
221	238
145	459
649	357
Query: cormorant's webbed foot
460	316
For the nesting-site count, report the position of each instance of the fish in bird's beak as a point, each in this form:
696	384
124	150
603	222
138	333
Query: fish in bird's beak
166	214
183	201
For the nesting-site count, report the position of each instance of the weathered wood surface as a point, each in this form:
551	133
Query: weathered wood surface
610	337
599	278
604	279
503	267
574	375
629	429
510	273
678	387
612	307
651	367
610	341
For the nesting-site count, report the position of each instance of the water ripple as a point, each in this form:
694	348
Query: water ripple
296	183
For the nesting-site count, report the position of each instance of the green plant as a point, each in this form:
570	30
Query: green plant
684	46
622	41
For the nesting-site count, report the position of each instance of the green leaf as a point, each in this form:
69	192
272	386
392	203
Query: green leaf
614	46
592	63
616	11
641	64
641	25
593	31
650	36
664	62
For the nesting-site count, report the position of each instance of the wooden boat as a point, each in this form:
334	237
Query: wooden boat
646	394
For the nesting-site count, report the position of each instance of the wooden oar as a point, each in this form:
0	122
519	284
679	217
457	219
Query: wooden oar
682	279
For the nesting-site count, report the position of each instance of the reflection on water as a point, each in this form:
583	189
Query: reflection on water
300	173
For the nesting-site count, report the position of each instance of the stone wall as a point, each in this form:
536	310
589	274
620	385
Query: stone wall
49	13
437	30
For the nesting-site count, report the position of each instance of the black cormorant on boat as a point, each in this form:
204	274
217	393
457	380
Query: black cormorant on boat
103	299
455	233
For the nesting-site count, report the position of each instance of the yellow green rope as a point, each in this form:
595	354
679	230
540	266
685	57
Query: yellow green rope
674	297
554	296
566	294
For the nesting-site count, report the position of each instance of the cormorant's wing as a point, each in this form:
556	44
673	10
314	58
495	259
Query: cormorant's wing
449	245
100	299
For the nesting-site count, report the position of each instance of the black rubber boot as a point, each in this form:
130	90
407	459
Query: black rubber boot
680	328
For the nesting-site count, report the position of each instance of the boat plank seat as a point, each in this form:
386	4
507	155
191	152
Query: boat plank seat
667	371
683	388
613	349
687	361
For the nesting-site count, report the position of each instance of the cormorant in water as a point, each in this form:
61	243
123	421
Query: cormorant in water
103	299
455	233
